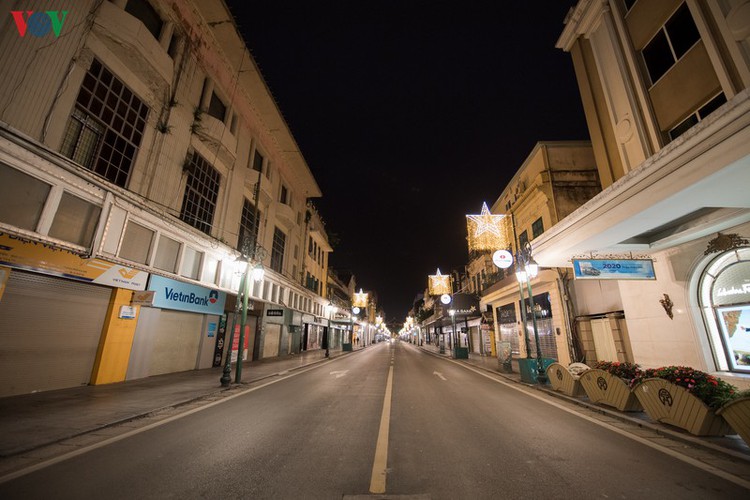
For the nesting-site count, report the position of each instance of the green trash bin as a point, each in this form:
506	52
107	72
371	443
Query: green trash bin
461	352
528	368
346	347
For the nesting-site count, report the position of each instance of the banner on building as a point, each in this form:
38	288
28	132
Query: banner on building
617	269
21	253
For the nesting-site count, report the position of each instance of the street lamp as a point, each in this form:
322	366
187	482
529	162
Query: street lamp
242	267
525	274
452	313
330	309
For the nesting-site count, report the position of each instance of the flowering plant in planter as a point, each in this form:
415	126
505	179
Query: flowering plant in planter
713	391
622	369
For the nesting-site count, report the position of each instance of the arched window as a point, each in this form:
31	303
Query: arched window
725	302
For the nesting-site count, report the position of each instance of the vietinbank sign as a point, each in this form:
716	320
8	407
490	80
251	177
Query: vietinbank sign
171	294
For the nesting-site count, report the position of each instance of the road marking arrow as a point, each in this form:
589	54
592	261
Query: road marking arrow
439	375
339	373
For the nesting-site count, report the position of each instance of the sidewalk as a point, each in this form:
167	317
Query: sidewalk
732	445
31	421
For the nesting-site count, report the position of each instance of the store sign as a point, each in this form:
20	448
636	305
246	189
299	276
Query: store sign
144	298
275	312
44	258
732	285
172	294
502	259
620	269
4	275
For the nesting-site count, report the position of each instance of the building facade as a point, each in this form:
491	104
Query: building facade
664	86
555	179
141	153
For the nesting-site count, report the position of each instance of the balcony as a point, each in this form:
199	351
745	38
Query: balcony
216	135
285	215
133	44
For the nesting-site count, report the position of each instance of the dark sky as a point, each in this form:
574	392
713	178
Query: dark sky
410	114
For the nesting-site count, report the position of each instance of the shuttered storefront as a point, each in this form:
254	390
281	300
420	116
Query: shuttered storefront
271	340
49	332
165	341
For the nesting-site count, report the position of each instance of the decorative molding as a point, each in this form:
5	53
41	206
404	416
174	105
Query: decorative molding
725	242
667	304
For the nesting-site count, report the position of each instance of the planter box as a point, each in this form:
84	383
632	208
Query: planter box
605	388
669	403
737	413
563	381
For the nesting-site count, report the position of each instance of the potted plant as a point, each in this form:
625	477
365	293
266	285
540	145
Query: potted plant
608	382
566	379
737	413
684	397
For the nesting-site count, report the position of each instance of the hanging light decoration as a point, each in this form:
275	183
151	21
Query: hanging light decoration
487	231
439	284
360	299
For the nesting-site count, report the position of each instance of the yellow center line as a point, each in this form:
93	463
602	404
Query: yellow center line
377	480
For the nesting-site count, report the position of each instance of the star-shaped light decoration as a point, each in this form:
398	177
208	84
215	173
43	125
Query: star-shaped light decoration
487	231
439	284
360	299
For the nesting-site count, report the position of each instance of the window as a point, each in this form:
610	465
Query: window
258	162
201	192
75	220
248	224
191	263
699	115
22	198
284	195
537	228
216	107
145	13
629	4
670	43
309	245
523	238
277	250
166	254
136	244
105	130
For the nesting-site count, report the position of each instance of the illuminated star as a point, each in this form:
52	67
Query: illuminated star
486	222
439	283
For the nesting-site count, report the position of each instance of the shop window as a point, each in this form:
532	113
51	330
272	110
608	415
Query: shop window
699	115
166	254
191	263
145	13
75	220
104	131
725	301
670	43
201	193
22	198
136	243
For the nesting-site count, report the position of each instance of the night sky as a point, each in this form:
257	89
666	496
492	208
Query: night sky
410	114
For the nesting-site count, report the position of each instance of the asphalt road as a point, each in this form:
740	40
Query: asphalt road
321	432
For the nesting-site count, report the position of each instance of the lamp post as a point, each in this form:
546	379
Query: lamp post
454	335
525	274
330	309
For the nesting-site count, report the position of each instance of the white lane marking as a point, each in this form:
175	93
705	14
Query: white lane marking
439	375
379	465
101	444
339	373
695	463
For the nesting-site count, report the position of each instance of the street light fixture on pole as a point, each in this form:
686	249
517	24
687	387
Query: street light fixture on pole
525	274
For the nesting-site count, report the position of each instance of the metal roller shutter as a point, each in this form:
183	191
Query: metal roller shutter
271	340
49	332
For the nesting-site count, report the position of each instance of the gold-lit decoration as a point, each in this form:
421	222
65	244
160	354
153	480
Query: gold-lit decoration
439	284
360	299
487	231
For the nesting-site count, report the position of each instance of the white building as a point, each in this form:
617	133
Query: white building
134	138
664	85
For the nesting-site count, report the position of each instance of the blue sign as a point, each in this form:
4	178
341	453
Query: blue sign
171	294
622	269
